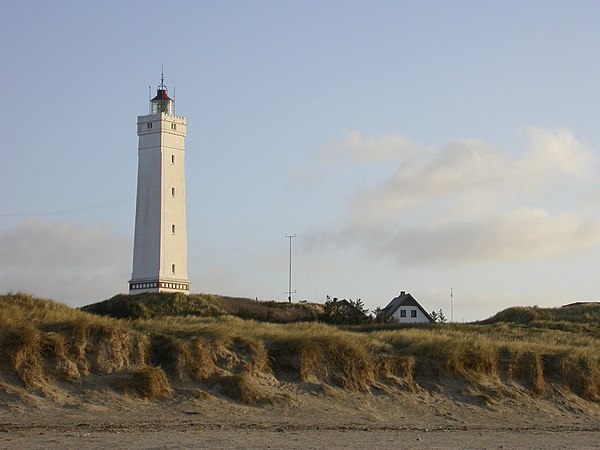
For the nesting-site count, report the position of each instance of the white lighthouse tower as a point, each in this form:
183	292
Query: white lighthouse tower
160	243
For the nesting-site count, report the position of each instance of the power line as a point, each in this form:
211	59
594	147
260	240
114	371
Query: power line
78	210
312	284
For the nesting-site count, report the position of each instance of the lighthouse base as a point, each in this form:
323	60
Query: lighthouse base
159	285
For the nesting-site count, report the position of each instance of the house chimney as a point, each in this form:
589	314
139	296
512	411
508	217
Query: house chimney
402	292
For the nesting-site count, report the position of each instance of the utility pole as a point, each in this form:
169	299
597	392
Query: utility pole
290	292
451	305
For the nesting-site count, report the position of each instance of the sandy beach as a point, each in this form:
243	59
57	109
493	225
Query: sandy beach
307	419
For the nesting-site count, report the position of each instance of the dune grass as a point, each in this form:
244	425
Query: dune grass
42	342
584	313
152	305
148	383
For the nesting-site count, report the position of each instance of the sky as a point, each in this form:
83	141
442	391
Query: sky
417	146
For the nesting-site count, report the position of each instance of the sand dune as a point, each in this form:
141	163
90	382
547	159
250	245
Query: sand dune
70	379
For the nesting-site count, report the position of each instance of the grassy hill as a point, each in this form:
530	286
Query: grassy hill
150	305
585	314
170	343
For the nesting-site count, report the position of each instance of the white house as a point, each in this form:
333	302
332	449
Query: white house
405	309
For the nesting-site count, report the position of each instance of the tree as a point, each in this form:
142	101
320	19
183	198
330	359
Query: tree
359	305
329	309
346	312
438	317
441	316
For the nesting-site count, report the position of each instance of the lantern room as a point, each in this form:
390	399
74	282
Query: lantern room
162	103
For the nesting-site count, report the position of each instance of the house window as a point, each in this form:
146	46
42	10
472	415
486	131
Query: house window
402	313
173	269
172	159
173	229
413	313
172	192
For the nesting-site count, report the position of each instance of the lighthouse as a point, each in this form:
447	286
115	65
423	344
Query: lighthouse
160	242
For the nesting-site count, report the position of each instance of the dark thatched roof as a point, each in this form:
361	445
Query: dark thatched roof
404	299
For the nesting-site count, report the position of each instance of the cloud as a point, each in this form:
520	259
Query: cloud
355	148
307	176
468	202
72	263
461	167
471	170
555	154
516	236
381	148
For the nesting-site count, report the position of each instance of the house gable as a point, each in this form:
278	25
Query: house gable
406	309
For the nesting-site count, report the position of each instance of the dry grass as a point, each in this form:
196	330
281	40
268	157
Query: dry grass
245	388
42	341
153	305
578	314
482	357
149	383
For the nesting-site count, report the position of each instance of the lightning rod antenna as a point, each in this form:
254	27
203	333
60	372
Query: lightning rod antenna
451	305
290	292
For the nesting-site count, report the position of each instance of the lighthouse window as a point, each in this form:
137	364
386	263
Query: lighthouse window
173	229
173	268
173	126
172	192
149	124
172	159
